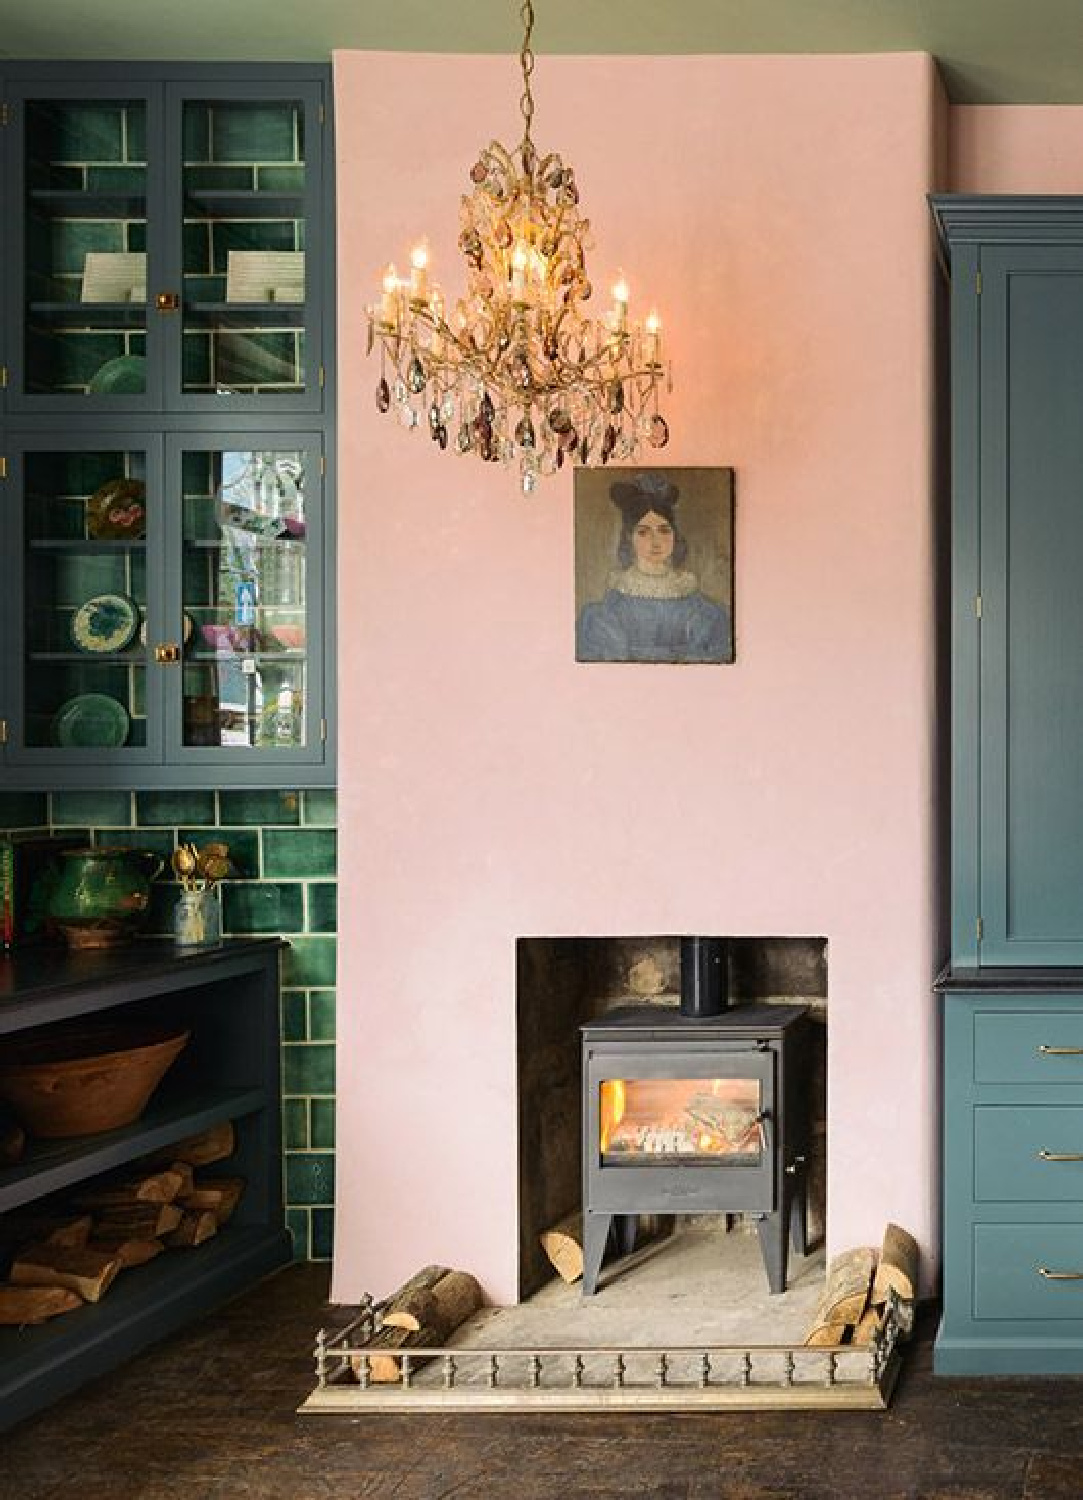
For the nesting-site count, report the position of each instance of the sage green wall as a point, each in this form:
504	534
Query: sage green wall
283	847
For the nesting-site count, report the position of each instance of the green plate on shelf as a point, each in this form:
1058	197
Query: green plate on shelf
90	721
106	623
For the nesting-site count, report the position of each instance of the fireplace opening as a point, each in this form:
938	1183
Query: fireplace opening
683	1077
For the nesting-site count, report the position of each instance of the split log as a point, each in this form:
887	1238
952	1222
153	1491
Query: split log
828	1335
423	1313
213	1144
872	1320
89	1272
26	1228
898	1268
12	1142
845	1295
193	1229
130	1252
136	1221
155	1187
563	1244
22	1305
453	1299
186	1174
218	1194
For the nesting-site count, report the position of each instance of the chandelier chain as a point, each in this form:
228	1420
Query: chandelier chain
526	62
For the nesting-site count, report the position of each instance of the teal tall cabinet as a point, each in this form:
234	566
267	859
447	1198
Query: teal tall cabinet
1012	993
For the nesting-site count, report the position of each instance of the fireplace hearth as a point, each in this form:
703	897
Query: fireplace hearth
695	1114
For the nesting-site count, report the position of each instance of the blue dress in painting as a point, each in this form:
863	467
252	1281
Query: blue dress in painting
650	617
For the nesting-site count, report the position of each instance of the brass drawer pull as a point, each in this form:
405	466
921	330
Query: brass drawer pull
1044	1155
1060	1275
1060	1051
168	654
167	302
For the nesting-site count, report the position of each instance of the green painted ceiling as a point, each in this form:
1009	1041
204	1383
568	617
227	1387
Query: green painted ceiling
990	51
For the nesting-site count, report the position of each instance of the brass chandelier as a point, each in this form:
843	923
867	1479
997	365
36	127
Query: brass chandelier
516	371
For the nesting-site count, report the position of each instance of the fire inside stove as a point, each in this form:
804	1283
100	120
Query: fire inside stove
652	1118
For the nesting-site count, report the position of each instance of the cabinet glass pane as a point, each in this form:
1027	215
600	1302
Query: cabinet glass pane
244	248
85	599
86	224
243	590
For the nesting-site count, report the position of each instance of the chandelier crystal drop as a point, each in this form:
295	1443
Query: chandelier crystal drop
516	371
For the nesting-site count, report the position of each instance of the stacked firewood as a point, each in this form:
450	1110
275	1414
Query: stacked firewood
63	1255
859	1287
422	1314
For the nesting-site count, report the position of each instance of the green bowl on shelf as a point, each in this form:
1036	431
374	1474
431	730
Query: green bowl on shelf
124	376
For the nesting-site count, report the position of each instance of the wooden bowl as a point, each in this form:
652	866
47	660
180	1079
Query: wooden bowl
80	1080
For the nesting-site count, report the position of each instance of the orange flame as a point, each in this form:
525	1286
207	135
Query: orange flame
613	1104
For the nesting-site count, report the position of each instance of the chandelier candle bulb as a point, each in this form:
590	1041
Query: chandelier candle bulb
419	273
515	370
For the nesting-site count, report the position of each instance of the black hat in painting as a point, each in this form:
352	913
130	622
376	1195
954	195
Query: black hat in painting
647	491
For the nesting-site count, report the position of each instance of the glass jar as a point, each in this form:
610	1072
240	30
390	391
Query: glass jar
197	918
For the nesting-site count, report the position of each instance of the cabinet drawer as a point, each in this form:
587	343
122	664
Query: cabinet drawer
1009	1142
1039	1046
1008	1260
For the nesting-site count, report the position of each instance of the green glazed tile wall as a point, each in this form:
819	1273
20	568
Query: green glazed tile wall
283	846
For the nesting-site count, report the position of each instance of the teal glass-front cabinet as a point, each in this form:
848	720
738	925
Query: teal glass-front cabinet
166	396
159	247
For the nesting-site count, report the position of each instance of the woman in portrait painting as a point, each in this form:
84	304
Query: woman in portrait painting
653	609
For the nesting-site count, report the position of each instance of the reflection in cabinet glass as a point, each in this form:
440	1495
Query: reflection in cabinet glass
243	574
244	246
85	246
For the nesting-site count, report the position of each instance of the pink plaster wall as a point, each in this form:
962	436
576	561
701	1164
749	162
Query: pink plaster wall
492	788
1018	148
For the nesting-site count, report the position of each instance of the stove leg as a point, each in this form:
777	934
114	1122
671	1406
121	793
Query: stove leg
774	1243
626	1225
799	1217
595	1237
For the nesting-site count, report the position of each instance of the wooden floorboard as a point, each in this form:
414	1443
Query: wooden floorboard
211	1413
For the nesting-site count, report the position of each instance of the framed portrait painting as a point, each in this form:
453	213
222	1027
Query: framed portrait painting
654	565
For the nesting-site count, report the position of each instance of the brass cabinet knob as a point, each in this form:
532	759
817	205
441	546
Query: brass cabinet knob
168	654
167	302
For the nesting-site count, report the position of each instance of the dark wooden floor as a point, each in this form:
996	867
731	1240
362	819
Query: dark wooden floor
211	1413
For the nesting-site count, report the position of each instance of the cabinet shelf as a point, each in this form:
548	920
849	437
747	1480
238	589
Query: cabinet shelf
91	658
91	314
272	315
226	203
79	544
49	1166
69	203
39	1364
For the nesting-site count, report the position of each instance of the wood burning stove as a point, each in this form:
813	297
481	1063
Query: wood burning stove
695	1113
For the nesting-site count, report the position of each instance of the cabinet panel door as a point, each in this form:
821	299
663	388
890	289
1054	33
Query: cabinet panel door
1031	563
247	247
85	246
245	597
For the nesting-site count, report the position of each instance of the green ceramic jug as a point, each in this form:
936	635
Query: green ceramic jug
102	894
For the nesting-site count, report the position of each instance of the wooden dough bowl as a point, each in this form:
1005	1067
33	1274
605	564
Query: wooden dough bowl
82	1080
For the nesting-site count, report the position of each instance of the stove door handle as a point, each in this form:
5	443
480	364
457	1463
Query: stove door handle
761	1122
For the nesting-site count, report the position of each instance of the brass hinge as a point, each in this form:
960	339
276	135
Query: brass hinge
980	928
323	730
322	377
323	115
323	464
3	731
977	283
3	468
977	605
5	114
3	377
